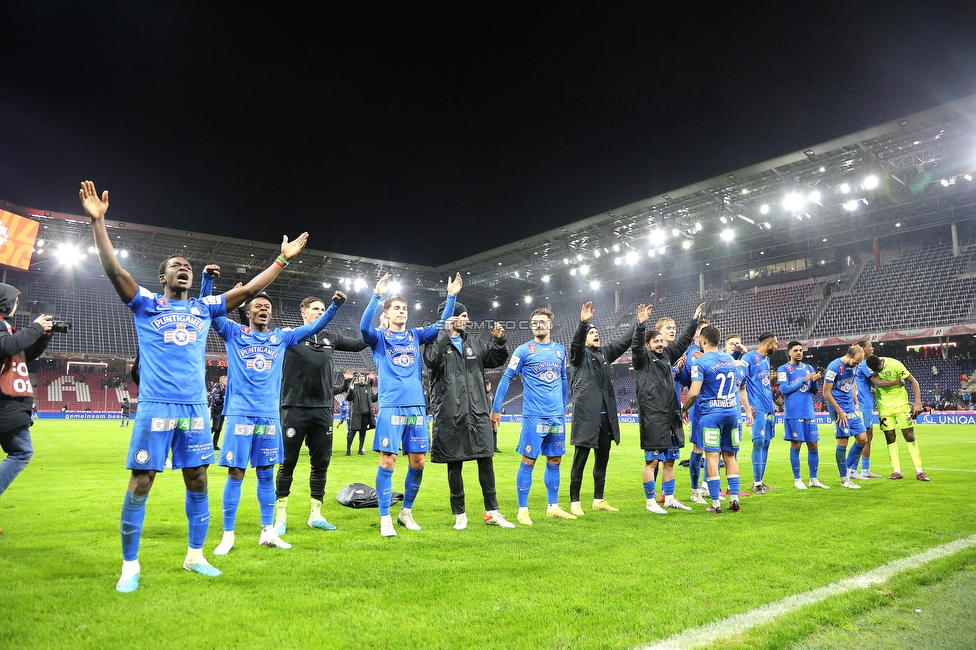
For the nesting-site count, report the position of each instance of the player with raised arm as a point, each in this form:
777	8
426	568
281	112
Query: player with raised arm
760	392
659	411
735	349
402	420
254	364
713	379
595	423
172	333
798	384
894	410
840	393
865	400
542	364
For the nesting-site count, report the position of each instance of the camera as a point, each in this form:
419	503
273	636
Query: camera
60	326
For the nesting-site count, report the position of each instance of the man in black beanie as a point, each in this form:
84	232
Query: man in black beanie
459	407
16	392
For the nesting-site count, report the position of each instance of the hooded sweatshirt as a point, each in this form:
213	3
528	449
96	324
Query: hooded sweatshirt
15	412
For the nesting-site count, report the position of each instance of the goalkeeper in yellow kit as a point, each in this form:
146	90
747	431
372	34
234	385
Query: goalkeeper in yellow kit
895	411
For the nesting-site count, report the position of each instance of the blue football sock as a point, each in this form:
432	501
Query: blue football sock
840	455
757	460
411	485
197	517
694	469
551	479
232	499
854	455
657	468
668	488
813	462
765	459
649	490
266	494
133	515
734	485
384	489
523	482
795	462
714	484
865	463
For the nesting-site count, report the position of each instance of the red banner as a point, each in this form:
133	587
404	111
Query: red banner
17	237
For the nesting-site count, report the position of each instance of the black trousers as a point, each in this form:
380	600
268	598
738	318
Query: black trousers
351	434
216	424
299	424
486	476
599	468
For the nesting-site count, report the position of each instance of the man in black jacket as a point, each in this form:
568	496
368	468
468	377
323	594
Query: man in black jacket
361	397
661	432
594	406
16	392
459	409
307	404
216	402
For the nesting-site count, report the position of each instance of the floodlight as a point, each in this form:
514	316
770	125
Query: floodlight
631	257
494	304
698	226
794	202
851	205
594	285
845	188
584	269
616	248
870	182
572	272
528	300
686	244
944	182
617	261
326	285
727	235
545	278
814	196
764	209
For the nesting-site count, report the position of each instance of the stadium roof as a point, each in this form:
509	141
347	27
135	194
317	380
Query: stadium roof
889	181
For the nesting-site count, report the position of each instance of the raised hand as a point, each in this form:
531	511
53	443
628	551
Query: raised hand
94	207
698	312
454	286
338	297
643	313
381	285
290	249
212	270
46	321
348	374
587	312
497	330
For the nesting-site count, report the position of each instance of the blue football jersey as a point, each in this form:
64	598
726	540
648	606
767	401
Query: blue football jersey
865	389
719	390
399	364
544	384
758	387
842	377
797	391
172	338
254	363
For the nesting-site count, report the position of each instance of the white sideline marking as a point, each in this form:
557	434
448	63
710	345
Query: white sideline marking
944	469
739	623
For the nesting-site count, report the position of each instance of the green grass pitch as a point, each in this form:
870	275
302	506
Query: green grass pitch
608	580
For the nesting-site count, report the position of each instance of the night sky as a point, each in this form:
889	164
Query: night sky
427	135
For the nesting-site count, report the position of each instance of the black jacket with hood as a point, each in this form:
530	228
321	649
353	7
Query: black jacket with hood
589	379
657	401
15	412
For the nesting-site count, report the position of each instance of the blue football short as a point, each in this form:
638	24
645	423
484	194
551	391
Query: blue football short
542	436
801	431
663	455
404	427
764	426
855	427
251	440
720	433
160	427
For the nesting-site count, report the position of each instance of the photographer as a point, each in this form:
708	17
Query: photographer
16	393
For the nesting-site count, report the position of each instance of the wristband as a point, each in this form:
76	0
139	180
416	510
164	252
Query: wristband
282	262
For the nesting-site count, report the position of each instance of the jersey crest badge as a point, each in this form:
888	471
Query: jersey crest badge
258	364
559	354
273	339
389	334
196	311
245	329
410	337
180	336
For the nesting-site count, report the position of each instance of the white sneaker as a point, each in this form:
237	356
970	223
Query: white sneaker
815	483
852	473
270	538
674	504
386	526
848	483
461	521
655	508
405	518
226	543
798	484
494	518
696	497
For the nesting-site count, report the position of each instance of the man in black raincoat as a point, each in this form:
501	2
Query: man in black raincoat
16	392
594	406
360	397
459	409
661	433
